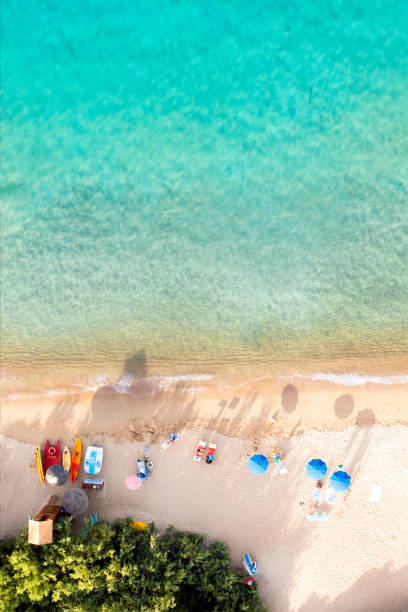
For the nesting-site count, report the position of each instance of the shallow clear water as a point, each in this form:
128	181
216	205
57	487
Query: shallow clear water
212	184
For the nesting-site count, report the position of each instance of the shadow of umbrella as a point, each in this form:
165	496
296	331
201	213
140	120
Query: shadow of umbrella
365	418
343	406
289	398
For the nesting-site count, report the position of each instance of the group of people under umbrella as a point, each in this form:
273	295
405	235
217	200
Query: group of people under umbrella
339	481
316	469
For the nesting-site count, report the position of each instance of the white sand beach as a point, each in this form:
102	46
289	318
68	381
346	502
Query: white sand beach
356	561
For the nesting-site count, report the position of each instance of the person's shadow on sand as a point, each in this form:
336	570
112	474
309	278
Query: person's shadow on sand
113	402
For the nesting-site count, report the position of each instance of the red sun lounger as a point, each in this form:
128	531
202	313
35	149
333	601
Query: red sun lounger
209	458
199	454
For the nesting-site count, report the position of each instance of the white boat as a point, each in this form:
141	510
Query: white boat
93	459
250	565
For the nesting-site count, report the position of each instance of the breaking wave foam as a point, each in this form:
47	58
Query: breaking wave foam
352	379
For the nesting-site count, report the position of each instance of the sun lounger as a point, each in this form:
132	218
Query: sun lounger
199	454
317	494
279	462
330	495
209	458
317	517
376	490
170	440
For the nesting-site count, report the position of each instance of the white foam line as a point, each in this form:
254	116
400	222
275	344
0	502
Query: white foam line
352	379
183	377
159	383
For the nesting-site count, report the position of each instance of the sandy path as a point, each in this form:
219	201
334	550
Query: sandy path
357	561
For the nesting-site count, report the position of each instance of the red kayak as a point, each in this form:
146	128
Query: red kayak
52	455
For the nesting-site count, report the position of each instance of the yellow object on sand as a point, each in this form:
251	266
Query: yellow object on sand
66	458
39	464
138	525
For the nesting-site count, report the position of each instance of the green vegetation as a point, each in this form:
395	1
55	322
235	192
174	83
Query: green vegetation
116	568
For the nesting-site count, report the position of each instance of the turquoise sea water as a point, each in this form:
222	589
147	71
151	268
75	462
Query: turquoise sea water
208	182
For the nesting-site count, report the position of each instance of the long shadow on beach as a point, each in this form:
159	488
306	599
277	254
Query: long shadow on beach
115	402
359	442
147	405
367	593
289	398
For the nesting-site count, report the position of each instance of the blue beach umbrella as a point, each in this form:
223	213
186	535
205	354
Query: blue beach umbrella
316	469
340	481
258	464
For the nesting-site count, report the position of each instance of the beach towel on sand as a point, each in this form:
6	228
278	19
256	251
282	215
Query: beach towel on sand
317	494
317	517
376	490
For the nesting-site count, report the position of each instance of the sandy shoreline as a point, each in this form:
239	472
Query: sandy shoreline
245	409
357	561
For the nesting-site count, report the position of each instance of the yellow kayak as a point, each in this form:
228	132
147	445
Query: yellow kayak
39	464
66	458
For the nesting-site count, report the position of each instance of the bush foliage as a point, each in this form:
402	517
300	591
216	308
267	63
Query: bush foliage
116	568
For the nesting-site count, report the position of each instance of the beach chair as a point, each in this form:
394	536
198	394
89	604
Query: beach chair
170	440
317	495
209	458
330	496
279	462
376	491
250	565
317	517
199	454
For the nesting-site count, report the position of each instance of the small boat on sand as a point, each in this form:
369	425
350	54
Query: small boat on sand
93	459
93	483
250	565
66	458
52	455
76	459
39	464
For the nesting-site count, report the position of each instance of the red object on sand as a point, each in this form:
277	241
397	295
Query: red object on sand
76	459
52	455
249	581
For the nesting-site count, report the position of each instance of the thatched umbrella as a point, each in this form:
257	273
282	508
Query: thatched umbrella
57	475
75	501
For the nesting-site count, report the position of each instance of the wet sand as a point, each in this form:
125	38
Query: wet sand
243	408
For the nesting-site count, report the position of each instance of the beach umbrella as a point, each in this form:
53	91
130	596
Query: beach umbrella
340	480
258	464
75	501
133	482
57	475
316	469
